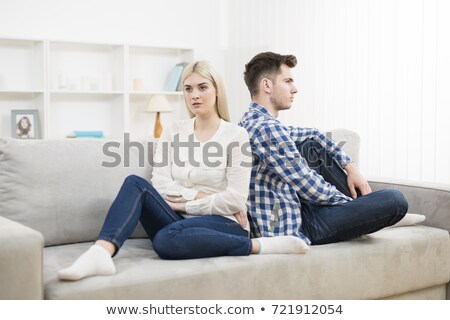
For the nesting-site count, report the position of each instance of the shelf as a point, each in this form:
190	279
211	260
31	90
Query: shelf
149	67
85	66
13	42
19	101
87	85
68	113
22	64
18	92
75	92
152	93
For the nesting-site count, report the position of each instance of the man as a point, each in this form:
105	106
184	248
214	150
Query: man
298	184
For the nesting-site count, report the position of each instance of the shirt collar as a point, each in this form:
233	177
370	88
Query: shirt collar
259	108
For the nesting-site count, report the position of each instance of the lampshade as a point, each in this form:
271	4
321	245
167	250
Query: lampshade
158	103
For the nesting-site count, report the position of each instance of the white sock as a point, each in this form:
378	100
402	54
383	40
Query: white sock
95	261
282	244
410	219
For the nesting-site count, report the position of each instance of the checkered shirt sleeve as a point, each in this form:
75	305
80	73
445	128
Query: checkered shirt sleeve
277	150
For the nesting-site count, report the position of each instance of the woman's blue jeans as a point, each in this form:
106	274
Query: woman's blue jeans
366	214
173	236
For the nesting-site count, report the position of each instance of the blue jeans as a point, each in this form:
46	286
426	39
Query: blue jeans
173	236
333	223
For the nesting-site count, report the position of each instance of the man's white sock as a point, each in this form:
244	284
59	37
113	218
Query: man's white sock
410	219
95	261
282	244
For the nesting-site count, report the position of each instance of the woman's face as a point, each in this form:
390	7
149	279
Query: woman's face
200	95
24	123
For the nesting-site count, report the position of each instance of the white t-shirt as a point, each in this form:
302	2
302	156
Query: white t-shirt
221	167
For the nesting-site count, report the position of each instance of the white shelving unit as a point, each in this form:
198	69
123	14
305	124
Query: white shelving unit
150	67
87	86
22	79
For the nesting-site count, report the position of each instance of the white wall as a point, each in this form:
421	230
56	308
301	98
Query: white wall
379	67
171	23
177	23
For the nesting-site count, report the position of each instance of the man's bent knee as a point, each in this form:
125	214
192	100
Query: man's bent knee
397	200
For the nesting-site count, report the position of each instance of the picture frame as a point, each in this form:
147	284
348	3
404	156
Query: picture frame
25	124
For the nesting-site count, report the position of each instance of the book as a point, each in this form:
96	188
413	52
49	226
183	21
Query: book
88	134
180	84
174	78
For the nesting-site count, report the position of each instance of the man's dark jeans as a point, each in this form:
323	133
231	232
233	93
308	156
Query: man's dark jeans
366	214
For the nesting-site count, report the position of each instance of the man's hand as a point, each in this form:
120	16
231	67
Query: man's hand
355	180
241	217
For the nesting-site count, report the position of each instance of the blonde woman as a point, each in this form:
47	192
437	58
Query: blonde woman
23	128
195	205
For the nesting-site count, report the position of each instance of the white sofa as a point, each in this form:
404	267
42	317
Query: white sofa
54	195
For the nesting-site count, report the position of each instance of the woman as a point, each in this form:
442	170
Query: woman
195	206
23	128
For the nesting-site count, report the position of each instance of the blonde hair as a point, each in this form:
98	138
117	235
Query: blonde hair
205	69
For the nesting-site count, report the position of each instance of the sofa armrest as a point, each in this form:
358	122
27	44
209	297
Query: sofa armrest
21	253
429	199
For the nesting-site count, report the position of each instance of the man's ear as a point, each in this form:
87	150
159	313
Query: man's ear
266	85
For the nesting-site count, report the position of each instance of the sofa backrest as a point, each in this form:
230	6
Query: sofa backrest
60	187
349	141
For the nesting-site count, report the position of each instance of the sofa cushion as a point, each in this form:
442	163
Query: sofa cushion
349	141
60	188
390	262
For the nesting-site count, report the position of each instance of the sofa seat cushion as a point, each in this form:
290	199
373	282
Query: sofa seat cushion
390	262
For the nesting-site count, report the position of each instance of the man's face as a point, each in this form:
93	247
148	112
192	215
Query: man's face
283	89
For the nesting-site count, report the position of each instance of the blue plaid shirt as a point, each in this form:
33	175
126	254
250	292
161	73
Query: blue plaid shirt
281	176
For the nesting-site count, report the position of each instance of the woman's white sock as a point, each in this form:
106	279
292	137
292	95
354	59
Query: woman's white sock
95	261
282	244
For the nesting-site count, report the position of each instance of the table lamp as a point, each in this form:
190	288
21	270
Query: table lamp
158	103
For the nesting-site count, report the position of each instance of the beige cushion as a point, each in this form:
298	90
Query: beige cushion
390	262
348	140
59	187
20	261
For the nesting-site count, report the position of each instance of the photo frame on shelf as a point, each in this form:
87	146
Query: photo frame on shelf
25	124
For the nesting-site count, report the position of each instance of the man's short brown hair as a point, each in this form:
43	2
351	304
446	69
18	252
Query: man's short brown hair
265	65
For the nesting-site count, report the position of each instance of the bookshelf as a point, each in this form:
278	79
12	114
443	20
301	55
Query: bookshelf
22	78
86	86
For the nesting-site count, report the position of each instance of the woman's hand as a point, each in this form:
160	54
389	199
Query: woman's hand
178	203
242	219
177	206
201	195
174	198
